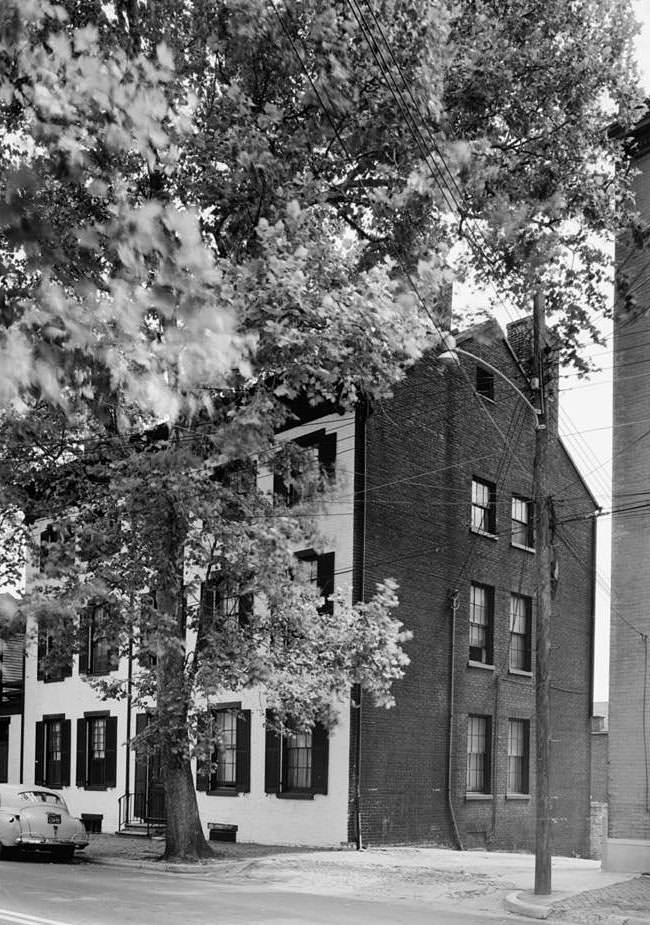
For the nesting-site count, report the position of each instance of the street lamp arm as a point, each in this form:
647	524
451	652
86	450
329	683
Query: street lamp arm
452	354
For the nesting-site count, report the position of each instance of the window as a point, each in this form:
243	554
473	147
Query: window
481	621
318	571
55	551
96	654
96	751
520	632
296	476
296	763
52	753
485	382
54	658
483	506
523	523
518	756
229	740
223	604
478	754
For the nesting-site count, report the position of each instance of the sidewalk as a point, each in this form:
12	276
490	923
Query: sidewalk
474	881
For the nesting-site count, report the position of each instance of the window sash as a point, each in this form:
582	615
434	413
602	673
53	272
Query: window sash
520	632
521	523
224	755
483	504
478	754
518	747
298	751
480	622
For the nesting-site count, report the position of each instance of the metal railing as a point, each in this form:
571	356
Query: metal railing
142	809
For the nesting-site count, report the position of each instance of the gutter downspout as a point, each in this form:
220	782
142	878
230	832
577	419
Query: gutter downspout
452	684
361	510
22	718
129	698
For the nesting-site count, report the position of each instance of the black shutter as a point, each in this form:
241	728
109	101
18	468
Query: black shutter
81	753
245	609
327	454
319	758
243	766
39	755
84	634
65	752
272	754
42	651
488	754
325	579
110	765
202	760
140	782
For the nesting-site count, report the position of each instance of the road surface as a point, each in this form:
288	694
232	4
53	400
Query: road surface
37	892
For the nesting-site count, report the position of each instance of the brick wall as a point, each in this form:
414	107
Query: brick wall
423	448
630	616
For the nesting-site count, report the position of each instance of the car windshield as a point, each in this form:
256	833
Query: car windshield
39	796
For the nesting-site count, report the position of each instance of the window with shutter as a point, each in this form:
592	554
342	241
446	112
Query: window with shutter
227	731
319	571
97	654
54	658
96	752
299	479
297	764
52	754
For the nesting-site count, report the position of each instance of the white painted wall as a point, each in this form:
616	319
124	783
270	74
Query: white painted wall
259	816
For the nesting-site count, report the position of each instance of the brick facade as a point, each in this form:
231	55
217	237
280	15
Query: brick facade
423	448
629	757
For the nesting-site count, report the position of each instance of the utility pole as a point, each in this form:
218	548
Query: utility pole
543	561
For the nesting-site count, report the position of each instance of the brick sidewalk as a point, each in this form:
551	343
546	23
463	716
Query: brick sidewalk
626	900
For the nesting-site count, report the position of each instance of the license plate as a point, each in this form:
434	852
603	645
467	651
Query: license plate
54	818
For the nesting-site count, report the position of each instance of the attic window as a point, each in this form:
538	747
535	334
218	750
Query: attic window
485	382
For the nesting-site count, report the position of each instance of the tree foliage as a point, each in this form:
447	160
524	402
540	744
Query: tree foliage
213	209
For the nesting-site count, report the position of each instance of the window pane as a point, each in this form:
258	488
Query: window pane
298	770
477	754
225	749
517	756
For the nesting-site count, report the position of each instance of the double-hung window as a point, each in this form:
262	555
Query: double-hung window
479	751
484	506
518	756
54	656
223	768
96	751
485	382
97	655
521	608
296	762
522	523
481	622
299	467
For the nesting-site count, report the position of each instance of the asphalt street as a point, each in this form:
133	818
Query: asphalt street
35	892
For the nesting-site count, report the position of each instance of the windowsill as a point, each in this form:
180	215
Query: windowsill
223	792
479	797
96	788
51	786
472	664
295	795
522	797
520	673
485	533
530	549
485	397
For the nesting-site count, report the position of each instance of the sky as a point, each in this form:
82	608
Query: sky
586	422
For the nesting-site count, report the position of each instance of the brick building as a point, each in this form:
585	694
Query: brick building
448	481
628	845
433	489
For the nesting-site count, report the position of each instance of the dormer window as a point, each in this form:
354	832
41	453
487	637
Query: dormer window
485	382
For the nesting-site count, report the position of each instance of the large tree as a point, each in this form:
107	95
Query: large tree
212	209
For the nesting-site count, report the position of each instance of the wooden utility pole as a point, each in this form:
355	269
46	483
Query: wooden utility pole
543	561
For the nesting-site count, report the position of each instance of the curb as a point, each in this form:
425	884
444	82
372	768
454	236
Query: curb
531	910
161	867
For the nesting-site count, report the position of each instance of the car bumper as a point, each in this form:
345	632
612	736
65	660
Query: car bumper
45	843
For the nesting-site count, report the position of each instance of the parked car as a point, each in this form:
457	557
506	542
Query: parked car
36	819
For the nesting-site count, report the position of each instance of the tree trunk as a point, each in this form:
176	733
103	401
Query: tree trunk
185	840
